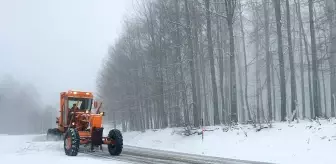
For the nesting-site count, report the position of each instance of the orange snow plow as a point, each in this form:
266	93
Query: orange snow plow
78	125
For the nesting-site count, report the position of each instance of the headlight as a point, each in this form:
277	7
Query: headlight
87	111
102	113
73	123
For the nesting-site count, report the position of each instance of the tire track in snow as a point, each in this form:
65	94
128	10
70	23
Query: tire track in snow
152	156
131	158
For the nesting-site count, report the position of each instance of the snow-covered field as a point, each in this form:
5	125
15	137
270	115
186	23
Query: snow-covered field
31	149
304	142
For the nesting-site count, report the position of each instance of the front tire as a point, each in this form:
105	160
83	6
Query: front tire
71	142
116	148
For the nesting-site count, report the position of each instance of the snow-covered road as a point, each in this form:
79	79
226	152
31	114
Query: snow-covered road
305	142
34	148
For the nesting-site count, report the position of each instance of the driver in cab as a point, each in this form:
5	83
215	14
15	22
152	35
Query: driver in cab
74	107
70	113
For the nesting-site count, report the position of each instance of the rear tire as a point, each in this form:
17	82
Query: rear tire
115	149
71	142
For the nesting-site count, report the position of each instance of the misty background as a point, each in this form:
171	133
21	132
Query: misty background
47	47
173	63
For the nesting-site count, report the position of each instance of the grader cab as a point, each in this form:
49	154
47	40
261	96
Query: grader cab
78	124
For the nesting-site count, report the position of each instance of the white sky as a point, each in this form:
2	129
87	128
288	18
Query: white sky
58	44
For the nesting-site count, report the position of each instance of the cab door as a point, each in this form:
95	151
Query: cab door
65	111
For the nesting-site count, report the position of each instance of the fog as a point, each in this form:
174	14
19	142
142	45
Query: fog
47	47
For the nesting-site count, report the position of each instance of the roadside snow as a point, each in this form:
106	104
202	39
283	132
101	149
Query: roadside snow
33	149
305	142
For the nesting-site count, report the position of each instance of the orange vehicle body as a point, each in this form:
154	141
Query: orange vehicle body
80	122
84	120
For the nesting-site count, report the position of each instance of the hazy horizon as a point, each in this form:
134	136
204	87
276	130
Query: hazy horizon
57	45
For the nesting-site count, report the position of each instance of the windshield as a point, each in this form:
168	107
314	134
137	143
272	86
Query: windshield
82	103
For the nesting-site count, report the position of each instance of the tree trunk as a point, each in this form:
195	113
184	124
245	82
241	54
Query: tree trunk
221	60
230	8
180	83
303	95
291	61
316	97
242	109
191	67
268	60
273	88
203	72
324	96
245	62
212	63
281	59
162	109
197	59
257	65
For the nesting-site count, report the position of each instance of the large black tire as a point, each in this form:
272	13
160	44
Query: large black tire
115	149
71	142
54	134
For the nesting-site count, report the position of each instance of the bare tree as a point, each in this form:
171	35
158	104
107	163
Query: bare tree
268	59
291	61
230	6
220	56
212	62
302	71
245	60
316	97
191	67
276	4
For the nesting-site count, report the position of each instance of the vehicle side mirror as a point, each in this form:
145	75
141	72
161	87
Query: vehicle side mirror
95	104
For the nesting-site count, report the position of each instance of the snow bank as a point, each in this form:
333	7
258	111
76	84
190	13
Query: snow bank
304	142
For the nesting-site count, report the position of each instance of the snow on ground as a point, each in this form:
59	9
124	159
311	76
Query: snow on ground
32	149
305	142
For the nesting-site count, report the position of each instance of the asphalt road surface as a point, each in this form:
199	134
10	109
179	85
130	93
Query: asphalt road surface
139	155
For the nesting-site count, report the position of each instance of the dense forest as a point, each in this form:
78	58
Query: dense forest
212	62
21	109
